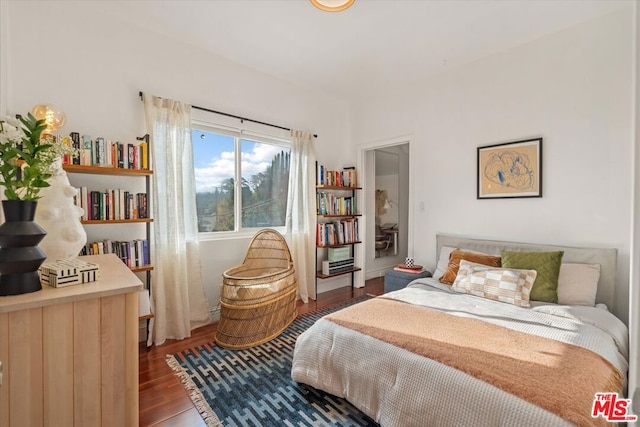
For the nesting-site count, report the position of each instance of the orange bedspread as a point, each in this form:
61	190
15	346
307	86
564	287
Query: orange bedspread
559	377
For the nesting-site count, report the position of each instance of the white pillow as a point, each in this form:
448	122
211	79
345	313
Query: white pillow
443	261
578	284
509	285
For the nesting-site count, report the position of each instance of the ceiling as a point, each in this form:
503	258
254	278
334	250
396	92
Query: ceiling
372	44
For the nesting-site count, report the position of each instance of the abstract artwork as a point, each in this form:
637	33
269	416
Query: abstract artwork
510	169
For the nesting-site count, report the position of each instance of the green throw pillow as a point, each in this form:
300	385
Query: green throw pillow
547	264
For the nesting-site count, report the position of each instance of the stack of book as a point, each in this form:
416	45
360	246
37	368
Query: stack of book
134	253
337	232
345	178
329	204
103	152
111	204
333	267
415	269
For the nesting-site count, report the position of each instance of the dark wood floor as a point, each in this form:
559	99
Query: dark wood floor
164	401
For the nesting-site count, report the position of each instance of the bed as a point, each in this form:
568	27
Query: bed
412	357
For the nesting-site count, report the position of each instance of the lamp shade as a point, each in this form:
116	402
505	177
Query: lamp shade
53	117
332	5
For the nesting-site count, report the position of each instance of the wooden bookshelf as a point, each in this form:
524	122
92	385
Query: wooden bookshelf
338	245
103	175
332	201
141	268
106	170
336	187
114	221
320	275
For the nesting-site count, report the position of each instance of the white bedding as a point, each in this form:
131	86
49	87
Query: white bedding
398	388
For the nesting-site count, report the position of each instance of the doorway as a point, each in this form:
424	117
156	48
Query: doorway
386	210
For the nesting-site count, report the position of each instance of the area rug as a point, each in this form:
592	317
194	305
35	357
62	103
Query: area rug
253	387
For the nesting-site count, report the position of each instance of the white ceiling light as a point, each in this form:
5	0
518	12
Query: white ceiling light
332	5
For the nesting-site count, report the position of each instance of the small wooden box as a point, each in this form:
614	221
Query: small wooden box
68	272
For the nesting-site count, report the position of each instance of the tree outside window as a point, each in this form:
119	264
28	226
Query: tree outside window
227	165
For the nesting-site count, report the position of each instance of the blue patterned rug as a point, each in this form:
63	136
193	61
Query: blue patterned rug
253	387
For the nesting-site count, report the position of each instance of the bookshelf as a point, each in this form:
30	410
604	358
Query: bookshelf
121	222
337	224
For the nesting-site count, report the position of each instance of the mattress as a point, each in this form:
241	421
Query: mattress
396	387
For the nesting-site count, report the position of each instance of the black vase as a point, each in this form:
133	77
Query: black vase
20	256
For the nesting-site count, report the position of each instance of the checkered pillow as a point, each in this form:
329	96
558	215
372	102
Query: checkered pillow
508	285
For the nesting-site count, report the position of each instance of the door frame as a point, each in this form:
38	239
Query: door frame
366	178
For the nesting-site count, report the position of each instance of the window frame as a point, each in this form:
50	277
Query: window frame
238	134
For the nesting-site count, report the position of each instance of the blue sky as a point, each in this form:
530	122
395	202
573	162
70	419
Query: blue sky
213	158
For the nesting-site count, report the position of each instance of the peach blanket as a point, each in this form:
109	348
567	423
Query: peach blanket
559	377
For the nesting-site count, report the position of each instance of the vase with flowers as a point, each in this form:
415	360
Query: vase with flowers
27	160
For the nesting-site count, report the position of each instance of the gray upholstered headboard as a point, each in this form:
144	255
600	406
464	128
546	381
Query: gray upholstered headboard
607	258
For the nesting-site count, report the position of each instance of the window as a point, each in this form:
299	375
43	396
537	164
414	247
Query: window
229	163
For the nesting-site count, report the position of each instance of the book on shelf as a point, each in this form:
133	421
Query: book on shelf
144	155
134	253
100	153
328	203
111	204
75	143
347	177
121	157
415	270
104	152
87	150
337	232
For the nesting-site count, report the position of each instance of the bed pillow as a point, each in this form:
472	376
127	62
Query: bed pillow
443	261
578	284
509	285
547	264
449	276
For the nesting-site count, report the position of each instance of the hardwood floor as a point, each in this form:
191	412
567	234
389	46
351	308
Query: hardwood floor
164	401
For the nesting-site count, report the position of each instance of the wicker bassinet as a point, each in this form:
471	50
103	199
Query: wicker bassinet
258	299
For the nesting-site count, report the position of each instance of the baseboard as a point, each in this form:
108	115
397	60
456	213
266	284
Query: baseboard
378	272
331	284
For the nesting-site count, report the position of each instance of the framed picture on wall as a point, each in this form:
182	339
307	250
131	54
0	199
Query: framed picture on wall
510	170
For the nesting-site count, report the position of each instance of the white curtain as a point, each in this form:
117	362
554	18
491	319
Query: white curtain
301	208
177	293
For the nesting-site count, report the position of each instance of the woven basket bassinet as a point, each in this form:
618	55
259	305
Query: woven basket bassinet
258	299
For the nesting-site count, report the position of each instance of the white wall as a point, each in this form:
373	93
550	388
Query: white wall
92	67
4	62
634	292
574	89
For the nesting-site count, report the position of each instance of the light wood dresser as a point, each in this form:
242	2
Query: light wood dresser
70	355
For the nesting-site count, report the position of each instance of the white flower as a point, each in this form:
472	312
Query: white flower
9	133
36	154
12	121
